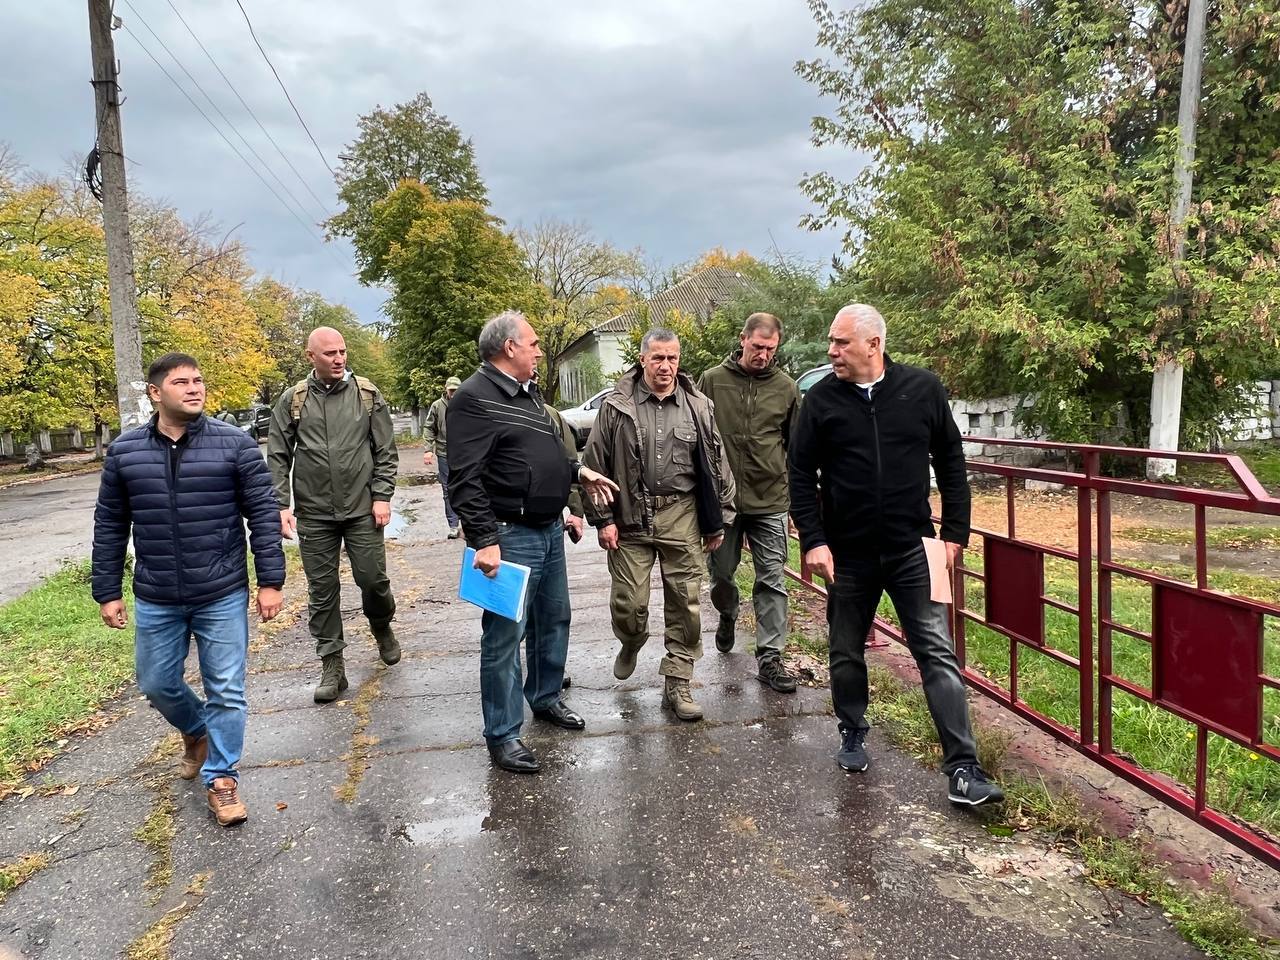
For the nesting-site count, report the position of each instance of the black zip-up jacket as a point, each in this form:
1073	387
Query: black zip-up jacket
185	504
506	459
870	459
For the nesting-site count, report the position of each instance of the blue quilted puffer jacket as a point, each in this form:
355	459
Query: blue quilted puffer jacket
188	536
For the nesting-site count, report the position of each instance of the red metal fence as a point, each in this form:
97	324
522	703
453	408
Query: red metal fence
1207	657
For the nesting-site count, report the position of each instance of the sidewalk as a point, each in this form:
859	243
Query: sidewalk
378	828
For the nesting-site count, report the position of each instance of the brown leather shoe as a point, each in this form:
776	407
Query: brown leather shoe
195	749
225	803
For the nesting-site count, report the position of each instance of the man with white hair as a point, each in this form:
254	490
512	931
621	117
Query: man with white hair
859	471
510	478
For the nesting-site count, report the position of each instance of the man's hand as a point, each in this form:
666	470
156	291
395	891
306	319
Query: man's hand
954	550
288	525
428	458
573	525
113	614
270	600
712	543
381	513
607	536
487	560
819	560
599	487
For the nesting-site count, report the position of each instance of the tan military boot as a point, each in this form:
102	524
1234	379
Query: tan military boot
194	751
677	696
225	803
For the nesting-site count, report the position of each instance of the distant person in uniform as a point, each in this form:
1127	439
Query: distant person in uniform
437	446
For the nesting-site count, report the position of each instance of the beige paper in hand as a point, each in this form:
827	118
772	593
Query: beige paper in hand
935	552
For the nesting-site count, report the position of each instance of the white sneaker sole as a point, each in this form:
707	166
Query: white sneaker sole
969	802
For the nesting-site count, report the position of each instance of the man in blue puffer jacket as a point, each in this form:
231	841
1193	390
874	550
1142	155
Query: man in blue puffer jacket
183	482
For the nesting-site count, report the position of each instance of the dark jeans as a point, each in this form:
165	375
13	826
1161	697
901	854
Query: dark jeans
547	615
851	606
442	471
320	542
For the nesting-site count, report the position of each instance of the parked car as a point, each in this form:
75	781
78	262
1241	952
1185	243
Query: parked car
255	420
810	377
581	417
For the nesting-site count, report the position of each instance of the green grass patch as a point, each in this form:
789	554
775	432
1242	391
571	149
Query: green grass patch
60	663
1262	458
1227	537
15	874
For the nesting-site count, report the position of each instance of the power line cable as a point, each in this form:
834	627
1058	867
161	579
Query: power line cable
232	87
283	87
225	140
225	119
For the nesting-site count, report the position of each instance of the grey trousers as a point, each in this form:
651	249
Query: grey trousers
767	534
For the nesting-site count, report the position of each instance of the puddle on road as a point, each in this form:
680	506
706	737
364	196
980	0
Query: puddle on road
398	526
460	827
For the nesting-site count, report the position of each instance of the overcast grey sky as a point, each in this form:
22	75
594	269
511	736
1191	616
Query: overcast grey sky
670	125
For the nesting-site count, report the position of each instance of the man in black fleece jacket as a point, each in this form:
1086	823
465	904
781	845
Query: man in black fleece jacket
509	481
859	468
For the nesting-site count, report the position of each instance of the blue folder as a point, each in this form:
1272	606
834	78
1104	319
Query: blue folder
503	594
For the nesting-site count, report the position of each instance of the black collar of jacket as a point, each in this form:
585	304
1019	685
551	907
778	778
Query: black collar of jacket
890	372
506	384
193	427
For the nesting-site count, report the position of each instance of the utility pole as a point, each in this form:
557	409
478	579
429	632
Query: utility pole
131	392
1166	384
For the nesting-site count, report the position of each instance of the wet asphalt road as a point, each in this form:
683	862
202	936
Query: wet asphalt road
42	525
642	837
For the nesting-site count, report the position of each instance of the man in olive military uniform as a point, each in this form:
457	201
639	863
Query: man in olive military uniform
333	431
437	449
655	434
755	407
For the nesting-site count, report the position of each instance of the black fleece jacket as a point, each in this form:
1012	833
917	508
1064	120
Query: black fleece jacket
506	458
870	460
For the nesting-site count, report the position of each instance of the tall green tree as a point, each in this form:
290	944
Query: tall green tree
410	142
1012	222
450	265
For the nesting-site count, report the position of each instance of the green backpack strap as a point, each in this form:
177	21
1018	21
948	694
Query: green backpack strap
368	394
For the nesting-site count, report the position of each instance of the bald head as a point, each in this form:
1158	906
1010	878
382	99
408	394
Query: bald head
856	343
327	354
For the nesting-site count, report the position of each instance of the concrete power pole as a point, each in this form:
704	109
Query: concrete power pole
1166	384
131	392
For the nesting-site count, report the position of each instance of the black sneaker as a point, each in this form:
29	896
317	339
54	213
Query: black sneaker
971	786
775	675
724	634
853	755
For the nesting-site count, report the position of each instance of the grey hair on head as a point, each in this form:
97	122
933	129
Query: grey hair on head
657	335
865	318
497	331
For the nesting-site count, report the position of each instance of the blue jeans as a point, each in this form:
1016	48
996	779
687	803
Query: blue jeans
547	615
162	637
442	471
851	605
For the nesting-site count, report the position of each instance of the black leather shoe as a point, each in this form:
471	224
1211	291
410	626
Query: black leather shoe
561	716
514	756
